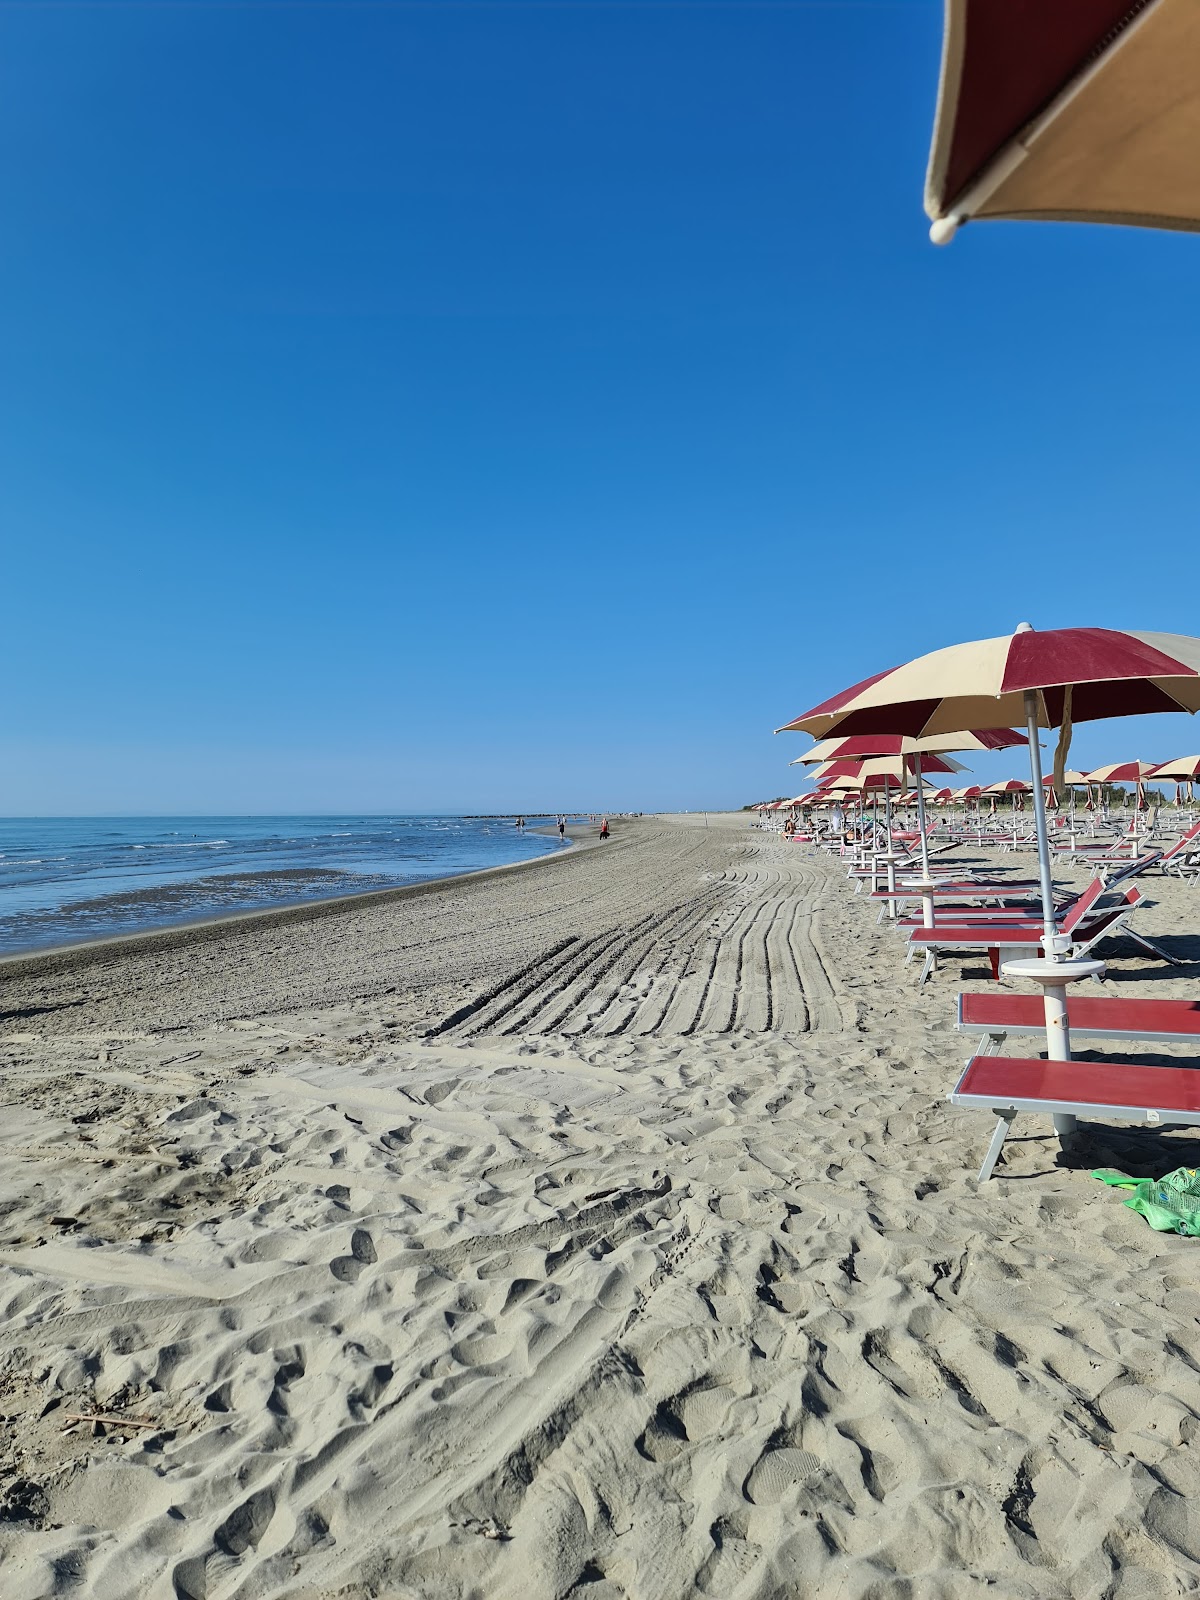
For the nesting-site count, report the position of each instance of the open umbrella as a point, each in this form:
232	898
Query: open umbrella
1135	772
1069	110
863	745
1184	769
1053	676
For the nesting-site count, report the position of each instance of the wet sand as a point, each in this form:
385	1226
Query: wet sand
596	1228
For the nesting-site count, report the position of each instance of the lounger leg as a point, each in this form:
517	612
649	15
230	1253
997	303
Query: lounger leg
930	963
997	1144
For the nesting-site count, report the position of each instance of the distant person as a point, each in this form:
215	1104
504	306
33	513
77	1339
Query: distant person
604	827
562	829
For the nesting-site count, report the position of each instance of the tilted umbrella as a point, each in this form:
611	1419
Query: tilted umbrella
1053	677
1067	110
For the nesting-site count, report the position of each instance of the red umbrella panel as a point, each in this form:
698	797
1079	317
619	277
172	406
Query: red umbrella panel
1070	110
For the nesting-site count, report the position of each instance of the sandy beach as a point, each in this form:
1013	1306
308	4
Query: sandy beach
596	1228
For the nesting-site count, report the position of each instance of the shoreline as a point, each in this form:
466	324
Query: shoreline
27	963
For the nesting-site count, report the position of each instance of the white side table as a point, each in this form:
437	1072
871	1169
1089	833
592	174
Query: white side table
1054	977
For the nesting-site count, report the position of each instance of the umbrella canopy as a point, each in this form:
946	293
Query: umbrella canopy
862	745
1069	110
1008	786
1121	772
1086	673
971	792
892	766
1184	769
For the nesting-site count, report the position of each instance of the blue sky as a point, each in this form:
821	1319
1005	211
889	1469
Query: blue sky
490	406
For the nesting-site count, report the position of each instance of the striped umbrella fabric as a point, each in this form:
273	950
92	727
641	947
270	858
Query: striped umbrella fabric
1084	673
1121	772
860	746
1067	110
1184	769
882	765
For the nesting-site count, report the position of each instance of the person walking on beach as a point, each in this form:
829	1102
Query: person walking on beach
562	829
604	827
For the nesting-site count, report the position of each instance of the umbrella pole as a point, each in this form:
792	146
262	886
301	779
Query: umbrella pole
927	898
1043	838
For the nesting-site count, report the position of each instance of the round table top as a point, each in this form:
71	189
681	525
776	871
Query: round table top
1042	970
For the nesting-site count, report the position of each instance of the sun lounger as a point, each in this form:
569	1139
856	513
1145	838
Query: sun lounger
1178	860
998	1014
1108	1091
1016	940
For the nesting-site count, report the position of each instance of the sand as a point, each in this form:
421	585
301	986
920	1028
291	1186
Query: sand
597	1228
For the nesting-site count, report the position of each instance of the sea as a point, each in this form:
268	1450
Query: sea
69	879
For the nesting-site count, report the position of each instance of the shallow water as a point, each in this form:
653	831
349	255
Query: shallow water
66	879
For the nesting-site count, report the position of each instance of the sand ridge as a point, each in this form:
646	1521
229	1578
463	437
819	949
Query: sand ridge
642	1258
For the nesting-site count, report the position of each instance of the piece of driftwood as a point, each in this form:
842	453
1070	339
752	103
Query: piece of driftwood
110	1419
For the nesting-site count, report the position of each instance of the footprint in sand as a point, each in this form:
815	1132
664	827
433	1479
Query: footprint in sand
482	1349
777	1471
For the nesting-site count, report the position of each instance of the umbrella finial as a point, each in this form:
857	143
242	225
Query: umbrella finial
1023	627
944	229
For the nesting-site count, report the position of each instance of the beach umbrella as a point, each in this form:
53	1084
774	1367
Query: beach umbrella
863	745
1055	676
1135	772
893	766
1067	110
1184	769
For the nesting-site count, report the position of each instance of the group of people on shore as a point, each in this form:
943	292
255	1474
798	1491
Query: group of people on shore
562	827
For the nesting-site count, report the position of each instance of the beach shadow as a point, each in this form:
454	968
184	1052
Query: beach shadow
39	1011
1139	1151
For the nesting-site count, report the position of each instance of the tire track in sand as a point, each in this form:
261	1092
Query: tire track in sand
741	955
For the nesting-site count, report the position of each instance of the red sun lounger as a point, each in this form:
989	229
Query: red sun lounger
1110	1091
1019	939
998	1014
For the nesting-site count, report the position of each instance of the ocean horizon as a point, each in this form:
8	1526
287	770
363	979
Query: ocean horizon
68	880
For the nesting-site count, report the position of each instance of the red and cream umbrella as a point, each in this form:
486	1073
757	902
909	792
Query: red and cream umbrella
1135	772
862	745
1184	769
1013	786
1067	110
1052	678
890	766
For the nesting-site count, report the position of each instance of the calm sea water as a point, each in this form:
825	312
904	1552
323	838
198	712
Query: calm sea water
67	879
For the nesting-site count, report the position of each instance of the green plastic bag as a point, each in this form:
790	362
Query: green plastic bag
1169	1205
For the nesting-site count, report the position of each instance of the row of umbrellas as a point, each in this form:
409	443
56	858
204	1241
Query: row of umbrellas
892	772
1049	679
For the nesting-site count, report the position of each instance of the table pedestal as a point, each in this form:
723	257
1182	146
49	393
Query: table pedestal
1054	976
925	888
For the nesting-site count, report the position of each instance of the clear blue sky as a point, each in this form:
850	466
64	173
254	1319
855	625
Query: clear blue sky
443	406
